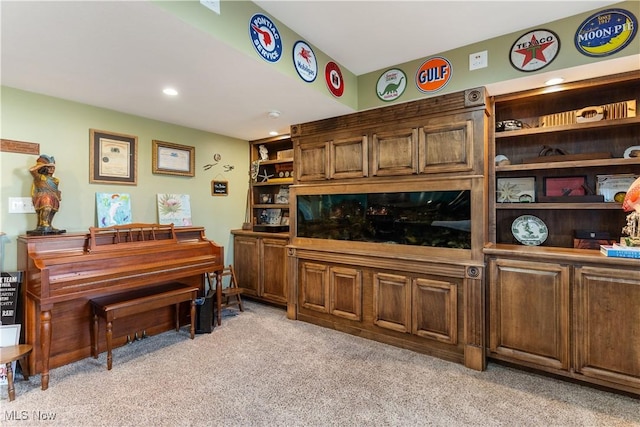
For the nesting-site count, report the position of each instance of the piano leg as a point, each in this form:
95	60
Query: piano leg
109	338
193	317
45	345
94	338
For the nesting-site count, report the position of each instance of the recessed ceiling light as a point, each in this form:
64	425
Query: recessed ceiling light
554	81
274	114
170	91
273	133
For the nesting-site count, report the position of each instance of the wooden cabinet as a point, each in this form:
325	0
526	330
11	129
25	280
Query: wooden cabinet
554	305
394	141
333	159
529	312
269	188
331	289
576	318
416	308
389	217
607	321
260	264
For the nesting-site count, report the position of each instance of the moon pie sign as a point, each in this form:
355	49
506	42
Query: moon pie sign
606	32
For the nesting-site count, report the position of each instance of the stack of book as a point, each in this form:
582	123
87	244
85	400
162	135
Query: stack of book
620	251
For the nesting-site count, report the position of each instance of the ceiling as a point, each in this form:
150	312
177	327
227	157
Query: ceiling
120	54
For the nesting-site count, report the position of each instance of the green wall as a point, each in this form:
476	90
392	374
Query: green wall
62	130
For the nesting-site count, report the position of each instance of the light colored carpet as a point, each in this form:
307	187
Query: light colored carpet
260	369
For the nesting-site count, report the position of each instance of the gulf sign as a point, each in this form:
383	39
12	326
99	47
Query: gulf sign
433	74
605	33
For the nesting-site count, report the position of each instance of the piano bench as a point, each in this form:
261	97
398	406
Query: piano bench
112	307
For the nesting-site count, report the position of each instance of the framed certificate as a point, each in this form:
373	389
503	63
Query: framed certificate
113	158
173	159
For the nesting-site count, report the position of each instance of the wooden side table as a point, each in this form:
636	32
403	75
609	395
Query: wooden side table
7	356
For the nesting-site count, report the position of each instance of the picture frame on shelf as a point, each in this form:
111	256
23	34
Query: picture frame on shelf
565	186
516	190
614	187
173	159
113	158
283	195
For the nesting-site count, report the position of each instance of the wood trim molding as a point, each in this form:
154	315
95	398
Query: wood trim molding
10	146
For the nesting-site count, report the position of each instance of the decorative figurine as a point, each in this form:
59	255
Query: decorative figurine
264	153
631	204
45	194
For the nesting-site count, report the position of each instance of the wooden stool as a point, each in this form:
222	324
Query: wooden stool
7	356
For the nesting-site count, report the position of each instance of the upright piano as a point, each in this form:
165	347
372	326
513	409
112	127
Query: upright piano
63	272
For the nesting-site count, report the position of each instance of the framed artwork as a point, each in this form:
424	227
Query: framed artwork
565	186
173	159
614	187
174	209
113	209
516	190
113	158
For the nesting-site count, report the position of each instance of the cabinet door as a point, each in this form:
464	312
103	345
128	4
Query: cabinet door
392	302
435	310
607	324
446	145
349	158
395	153
314	286
312	162
246	260
345	290
529	312
274	269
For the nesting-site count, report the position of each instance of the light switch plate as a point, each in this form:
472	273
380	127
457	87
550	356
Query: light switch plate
21	205
478	60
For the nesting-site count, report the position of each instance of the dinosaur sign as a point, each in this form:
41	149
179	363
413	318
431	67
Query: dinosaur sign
391	85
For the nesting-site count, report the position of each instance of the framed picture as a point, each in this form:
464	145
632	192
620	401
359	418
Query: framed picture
113	158
516	190
113	209
614	187
173	159
174	209
565	186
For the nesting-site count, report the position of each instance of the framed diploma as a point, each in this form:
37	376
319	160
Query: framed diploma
173	159
113	158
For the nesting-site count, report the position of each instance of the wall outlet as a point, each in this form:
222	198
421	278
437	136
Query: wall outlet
478	60
21	205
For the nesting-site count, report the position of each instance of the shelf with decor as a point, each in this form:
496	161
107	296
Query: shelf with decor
556	189
272	173
567	159
260	254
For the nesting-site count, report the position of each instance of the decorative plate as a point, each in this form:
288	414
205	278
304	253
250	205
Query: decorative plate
529	230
